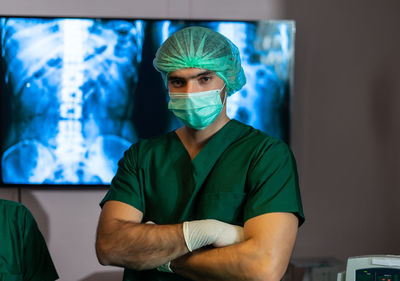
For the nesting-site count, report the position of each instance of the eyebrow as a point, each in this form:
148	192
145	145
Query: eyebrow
207	72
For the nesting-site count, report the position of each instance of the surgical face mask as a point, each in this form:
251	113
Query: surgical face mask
196	110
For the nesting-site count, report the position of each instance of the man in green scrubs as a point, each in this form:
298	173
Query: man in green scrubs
23	252
215	199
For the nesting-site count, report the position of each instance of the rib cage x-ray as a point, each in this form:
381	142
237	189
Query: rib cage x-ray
76	93
71	82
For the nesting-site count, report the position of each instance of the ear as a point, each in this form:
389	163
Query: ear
224	96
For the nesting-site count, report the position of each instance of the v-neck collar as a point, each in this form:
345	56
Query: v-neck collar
205	160
213	149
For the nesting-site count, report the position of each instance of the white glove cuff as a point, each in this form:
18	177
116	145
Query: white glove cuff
186	235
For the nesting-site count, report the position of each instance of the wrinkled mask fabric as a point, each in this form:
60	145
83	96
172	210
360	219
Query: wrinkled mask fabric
196	110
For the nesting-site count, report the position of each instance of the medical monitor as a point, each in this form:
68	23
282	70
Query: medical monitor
75	93
371	268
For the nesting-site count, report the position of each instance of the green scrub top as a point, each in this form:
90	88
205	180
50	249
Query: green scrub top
23	252
239	174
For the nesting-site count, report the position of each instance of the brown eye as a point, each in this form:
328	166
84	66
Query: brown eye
176	83
205	79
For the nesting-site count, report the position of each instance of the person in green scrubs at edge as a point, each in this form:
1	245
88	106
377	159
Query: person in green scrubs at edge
214	200
23	252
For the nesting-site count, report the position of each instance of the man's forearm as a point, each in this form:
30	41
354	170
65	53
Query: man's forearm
140	246
242	261
146	246
263	255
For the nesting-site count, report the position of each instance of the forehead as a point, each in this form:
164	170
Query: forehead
188	73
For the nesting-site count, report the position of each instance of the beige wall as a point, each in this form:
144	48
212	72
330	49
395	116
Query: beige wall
346	125
346	121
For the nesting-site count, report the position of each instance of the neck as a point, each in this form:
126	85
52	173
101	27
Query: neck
194	140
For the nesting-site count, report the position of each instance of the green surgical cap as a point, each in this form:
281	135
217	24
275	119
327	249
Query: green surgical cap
200	47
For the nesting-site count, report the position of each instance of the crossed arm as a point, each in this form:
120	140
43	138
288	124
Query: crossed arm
263	255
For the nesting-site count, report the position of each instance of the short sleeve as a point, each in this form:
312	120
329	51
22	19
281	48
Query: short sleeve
37	263
273	182
125	186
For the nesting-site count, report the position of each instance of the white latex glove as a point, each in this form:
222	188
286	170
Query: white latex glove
201	233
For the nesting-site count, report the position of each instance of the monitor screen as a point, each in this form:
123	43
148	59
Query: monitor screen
75	93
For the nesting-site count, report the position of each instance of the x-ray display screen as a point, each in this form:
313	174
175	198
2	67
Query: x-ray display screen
75	93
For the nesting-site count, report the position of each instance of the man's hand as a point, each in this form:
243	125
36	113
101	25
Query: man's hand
201	233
